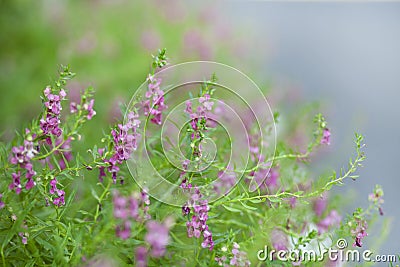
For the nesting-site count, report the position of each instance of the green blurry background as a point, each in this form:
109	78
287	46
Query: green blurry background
107	43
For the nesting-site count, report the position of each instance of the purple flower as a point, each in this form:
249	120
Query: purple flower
264	178
2	204
89	108
154	105
239	257
320	205
141	256
157	237
123	230
125	138
326	134
58	194
16	183
332	219
126	209
279	240
359	232
24	237
51	120
21	156
206	104
120	211
198	223
377	198
226	180
73	107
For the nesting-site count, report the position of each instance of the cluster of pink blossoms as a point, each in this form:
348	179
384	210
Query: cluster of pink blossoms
21	156
2	204
239	258
154	105
326	137
59	194
125	139
359	232
331	219
88	107
50	123
225	181
130	208
197	226
157	238
377	198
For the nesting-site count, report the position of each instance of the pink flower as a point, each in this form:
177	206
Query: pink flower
332	219
141	256
326	135
157	237
359	232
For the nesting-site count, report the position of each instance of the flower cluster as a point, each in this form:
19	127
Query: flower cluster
326	136
59	194
24	237
21	156
225	181
377	198
87	107
320	205
199	121
238	258
359	231
198	223
141	256
157	237
154	104
125	138
332	219
134	207
264	178
51	120
2	204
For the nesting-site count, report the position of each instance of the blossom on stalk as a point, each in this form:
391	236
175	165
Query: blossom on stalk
239	257
157	237
377	198
58	194
264	178
225	181
320	205
326	136
154	104
129	209
21	156
359	232
51	119
197	225
125	138
24	237
332	219
2	204
141	256
279	240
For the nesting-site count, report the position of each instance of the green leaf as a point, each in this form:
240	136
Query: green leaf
232	209
247	206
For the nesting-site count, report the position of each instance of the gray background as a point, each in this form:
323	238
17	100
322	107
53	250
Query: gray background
346	55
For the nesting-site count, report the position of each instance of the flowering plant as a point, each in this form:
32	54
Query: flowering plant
211	186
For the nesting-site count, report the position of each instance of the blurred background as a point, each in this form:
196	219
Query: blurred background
344	56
